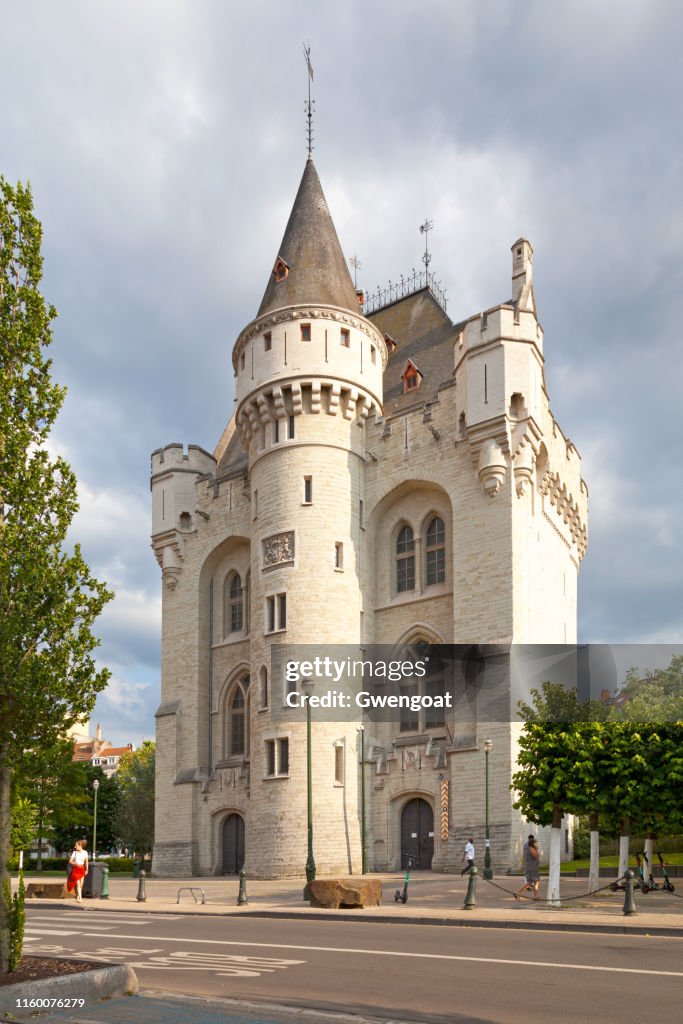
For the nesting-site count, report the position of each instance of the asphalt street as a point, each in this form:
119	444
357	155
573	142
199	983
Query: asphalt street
407	972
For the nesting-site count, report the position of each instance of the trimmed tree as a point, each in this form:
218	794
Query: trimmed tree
135	819
49	599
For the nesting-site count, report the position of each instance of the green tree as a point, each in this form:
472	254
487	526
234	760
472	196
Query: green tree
49	599
55	783
24	827
66	831
136	807
561	766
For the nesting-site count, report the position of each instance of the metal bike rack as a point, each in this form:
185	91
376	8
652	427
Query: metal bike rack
194	889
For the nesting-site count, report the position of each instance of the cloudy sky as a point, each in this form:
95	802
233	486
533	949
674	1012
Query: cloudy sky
165	141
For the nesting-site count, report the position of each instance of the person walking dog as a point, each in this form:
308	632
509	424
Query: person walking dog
531	876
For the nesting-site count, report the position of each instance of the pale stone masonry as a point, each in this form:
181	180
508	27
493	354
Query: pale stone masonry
392	479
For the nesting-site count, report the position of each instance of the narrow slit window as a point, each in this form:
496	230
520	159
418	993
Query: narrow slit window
305	332
346	337
308	490
267	341
339	765
291	427
339	555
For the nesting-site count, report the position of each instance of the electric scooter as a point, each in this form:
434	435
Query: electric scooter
402	897
640	882
666	884
651	881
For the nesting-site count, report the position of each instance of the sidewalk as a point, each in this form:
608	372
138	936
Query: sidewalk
432	899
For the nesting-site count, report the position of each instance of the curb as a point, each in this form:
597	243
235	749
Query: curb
473	922
102	983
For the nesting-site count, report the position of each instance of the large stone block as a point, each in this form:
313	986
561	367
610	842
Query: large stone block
345	892
49	891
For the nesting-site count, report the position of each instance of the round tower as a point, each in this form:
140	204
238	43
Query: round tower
308	372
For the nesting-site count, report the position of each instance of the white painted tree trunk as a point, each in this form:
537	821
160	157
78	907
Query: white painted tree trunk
554	867
648	867
623	855
594	870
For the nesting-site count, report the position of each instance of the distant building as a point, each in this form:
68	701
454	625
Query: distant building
99	752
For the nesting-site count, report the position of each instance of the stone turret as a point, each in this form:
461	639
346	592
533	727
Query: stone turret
174	475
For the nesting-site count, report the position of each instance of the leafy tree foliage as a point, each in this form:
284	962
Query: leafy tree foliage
24	826
49	599
65	832
136	807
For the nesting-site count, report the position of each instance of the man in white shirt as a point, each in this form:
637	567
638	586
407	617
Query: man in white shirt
468	855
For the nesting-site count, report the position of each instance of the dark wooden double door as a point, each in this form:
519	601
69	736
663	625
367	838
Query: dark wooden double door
417	835
233	844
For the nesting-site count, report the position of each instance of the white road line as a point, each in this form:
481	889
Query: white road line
30	930
388	952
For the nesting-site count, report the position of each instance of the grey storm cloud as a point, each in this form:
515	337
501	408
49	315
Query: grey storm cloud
165	142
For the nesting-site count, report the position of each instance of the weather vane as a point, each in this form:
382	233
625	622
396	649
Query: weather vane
424	230
308	106
356	264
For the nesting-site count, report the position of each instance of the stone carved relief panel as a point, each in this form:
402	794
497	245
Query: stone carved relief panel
277	550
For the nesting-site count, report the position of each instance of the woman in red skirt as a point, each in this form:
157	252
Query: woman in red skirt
78	862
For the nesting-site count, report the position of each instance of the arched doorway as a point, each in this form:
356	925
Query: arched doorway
233	844
417	834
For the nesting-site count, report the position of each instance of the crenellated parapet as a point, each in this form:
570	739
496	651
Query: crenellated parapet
276	403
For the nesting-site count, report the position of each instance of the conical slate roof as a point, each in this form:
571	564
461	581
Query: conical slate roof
317	272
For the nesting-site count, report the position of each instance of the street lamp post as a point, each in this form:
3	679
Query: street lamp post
95	786
488	870
310	859
362	801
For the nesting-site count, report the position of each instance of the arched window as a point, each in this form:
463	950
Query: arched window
238	719
432	685
435	550
233	604
405	560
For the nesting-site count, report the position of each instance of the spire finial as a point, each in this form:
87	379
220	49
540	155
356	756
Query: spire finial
424	230
309	103
356	264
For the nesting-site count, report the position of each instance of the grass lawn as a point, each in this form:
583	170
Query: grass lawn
613	862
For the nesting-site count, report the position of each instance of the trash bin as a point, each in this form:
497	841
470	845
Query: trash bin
92	883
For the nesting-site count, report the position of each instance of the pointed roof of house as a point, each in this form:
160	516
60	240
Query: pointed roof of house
310	264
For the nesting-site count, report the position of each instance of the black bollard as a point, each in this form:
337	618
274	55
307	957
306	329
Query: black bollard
629	902
242	895
141	897
471	897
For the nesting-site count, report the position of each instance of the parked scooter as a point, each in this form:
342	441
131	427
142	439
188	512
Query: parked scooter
402	897
651	881
666	884
641	882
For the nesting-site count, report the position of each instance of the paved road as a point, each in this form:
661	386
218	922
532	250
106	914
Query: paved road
416	972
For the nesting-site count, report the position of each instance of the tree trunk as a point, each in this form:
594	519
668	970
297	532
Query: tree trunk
649	847
5	825
594	870
623	846
553	895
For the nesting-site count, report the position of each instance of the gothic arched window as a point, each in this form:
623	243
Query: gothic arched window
238	719
432	684
435	551
233	605
405	560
